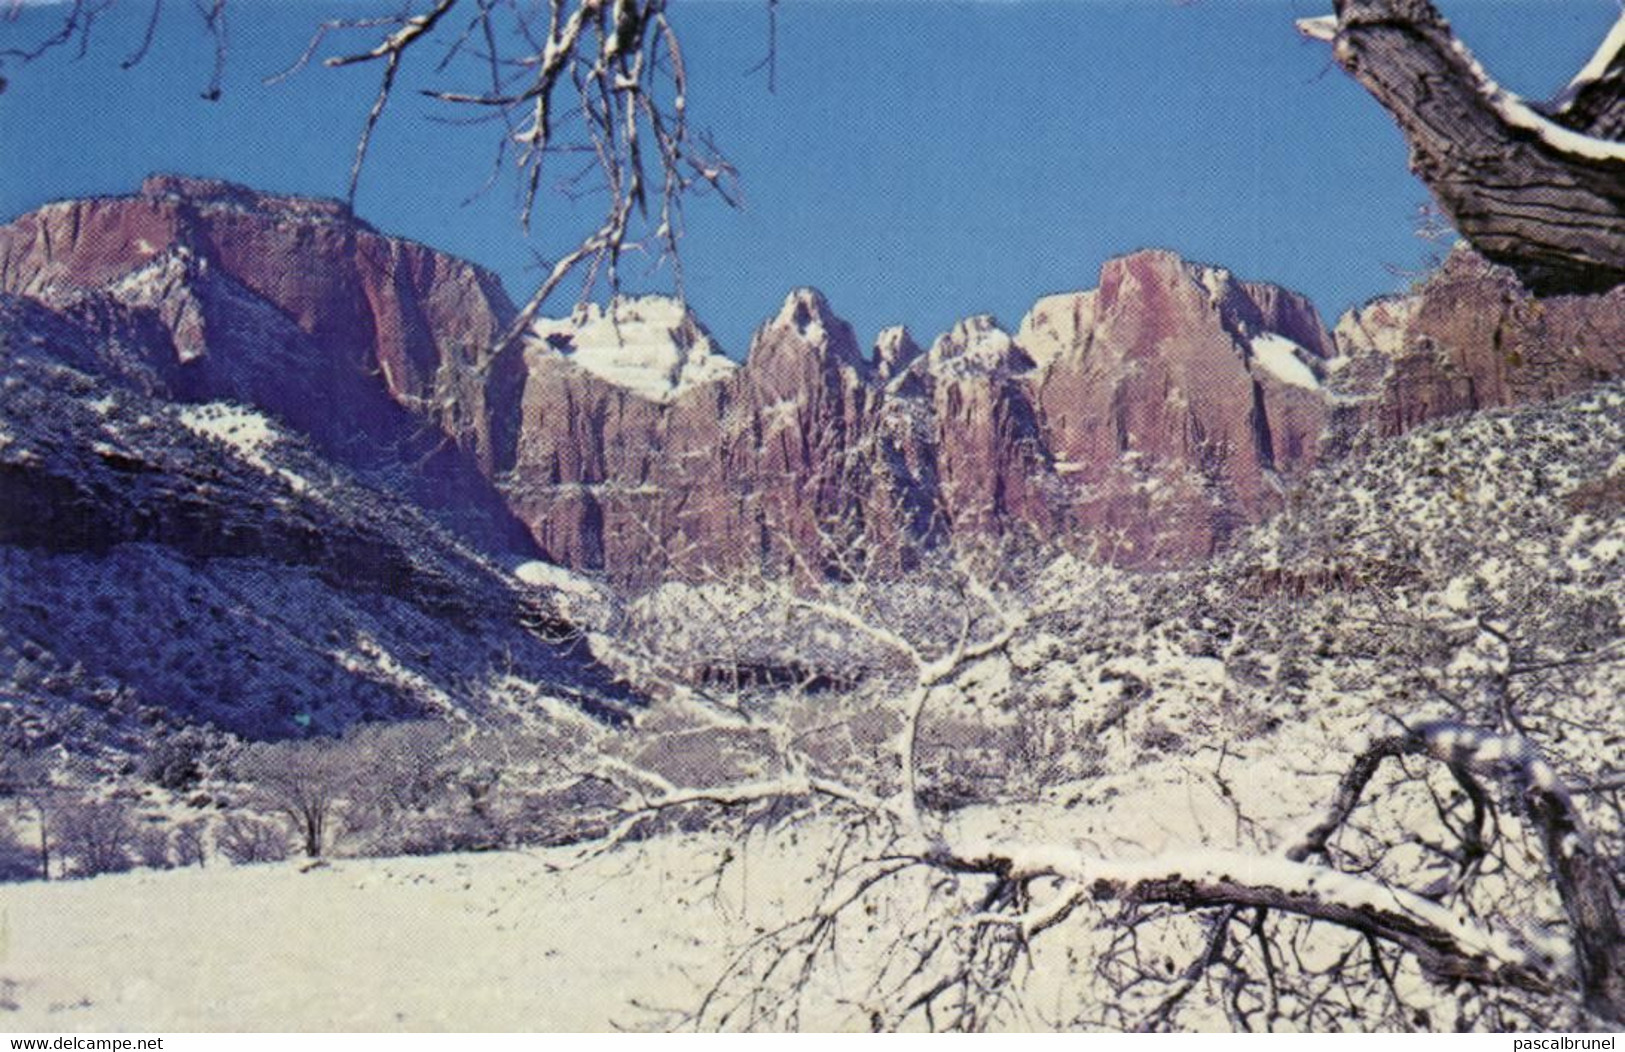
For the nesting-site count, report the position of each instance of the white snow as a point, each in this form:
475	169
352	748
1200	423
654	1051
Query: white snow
248	432
1518	113
1593	70
1512	108
652	346
975	345
578	598
1284	360
1381	326
1323	27
1057	325
500	941
805	312
158	276
1216	280
547	575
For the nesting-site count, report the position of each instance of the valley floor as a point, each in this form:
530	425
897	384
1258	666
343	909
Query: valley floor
535	940
490	942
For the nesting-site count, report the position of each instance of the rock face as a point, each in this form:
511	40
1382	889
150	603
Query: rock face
374	346
1174	400
163	563
1144	420
1470	337
767	462
1148	416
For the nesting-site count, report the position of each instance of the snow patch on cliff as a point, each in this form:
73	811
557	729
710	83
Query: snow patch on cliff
975	346
652	346
247	432
1284	360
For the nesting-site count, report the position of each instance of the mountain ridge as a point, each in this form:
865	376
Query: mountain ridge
1145	420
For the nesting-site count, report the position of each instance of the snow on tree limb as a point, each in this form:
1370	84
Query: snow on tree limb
1543	196
1449	945
1594	101
601	84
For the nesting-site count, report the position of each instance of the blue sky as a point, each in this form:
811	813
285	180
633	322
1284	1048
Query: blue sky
920	161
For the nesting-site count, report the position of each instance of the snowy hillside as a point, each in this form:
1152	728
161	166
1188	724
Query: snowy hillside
183	563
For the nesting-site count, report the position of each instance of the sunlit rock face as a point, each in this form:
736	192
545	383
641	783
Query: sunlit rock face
1144	420
1470	337
374	346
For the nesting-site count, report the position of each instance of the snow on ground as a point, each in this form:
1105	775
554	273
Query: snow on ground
452	942
1284	360
577	597
547	575
248	432
498	941
650	345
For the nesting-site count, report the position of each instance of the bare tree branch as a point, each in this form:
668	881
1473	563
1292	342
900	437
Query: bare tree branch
1542	195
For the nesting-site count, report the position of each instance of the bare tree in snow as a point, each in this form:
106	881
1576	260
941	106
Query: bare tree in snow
26	779
306	782
1312	933
1450	869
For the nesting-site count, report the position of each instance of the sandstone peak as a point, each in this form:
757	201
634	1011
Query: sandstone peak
200	191
895	350
976	345
806	310
1167	269
653	345
1163	261
1170	383
807	320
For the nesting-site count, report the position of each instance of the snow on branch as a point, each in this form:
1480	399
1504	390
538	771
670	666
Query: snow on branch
1449	946
600	86
1034	886
1594	101
1544	195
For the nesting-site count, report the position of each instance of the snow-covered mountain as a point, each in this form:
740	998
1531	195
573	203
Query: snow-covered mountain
219	393
653	346
263	477
1146	419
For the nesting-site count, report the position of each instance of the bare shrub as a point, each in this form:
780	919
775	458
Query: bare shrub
189	849
399	783
176	762
245	840
94	836
152	847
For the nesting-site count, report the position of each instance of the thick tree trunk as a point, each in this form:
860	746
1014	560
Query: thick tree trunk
1541	191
